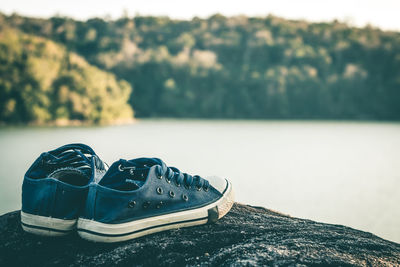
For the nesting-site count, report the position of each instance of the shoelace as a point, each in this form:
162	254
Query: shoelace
78	156
174	174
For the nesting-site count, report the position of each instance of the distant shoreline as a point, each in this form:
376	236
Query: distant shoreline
71	123
78	123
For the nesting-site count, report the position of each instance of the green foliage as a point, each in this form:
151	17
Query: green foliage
219	67
41	82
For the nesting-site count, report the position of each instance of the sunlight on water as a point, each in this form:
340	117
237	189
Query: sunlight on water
343	173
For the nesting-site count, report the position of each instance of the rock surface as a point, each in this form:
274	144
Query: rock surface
245	236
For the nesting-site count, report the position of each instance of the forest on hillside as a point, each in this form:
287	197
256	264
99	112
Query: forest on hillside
100	71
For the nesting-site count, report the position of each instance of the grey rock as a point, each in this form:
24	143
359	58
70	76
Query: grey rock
245	236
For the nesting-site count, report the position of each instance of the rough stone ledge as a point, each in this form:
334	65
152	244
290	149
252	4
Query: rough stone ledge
245	236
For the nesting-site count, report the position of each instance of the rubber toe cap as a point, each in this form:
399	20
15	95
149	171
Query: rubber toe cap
218	183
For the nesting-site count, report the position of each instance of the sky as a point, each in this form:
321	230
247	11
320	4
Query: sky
379	13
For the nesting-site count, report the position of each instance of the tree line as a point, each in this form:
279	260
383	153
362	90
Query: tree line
221	67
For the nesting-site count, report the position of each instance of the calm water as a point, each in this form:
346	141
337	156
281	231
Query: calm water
343	173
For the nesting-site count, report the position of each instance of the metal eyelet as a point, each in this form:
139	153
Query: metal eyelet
168	180
120	168
132	204
159	190
146	204
159	204
198	188
176	183
171	194
185	197
159	176
206	189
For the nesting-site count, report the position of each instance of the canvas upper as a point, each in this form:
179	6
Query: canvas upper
146	187
57	183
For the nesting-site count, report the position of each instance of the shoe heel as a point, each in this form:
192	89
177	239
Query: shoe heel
46	226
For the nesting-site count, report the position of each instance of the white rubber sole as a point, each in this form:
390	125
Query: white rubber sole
102	232
46	226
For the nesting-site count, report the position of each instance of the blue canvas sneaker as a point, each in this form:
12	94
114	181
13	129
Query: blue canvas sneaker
55	188
143	196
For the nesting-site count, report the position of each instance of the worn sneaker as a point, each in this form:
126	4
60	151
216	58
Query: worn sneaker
55	188
143	196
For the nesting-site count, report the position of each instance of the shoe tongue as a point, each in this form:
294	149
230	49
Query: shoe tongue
124	172
97	173
145	162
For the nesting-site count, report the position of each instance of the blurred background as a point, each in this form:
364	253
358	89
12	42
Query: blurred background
297	102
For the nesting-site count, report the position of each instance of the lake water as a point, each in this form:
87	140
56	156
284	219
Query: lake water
337	172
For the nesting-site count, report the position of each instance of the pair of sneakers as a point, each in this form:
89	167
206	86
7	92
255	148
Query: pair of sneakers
71	188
